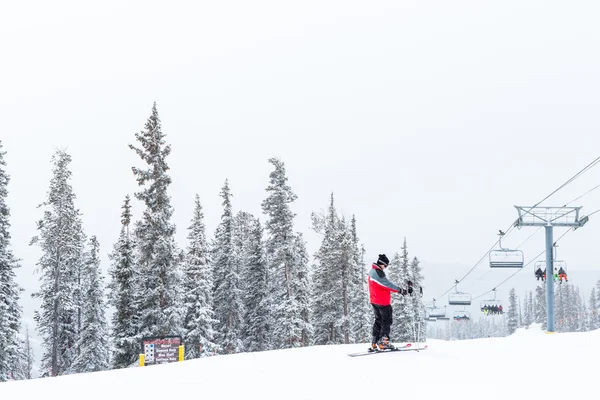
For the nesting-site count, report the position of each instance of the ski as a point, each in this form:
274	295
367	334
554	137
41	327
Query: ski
402	348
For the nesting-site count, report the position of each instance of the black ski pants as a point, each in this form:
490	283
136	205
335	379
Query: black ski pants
383	321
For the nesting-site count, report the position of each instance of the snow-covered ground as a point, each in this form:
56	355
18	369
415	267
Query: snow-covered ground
528	363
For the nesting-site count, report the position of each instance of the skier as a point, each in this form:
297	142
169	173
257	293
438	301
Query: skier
380	289
539	274
562	275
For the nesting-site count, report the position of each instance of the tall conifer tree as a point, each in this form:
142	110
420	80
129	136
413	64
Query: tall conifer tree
255	283
327	309
122	295
594	321
229	307
418	308
199	318
92	346
160	307
361	308
513	312
541	316
10	310
61	240
286	258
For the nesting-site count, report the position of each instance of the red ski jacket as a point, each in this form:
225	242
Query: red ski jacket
380	288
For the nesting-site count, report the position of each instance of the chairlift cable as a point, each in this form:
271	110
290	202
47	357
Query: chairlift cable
577	198
589	215
577	175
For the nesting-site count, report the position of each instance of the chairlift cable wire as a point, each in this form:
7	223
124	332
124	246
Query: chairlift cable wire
589	215
577	175
577	198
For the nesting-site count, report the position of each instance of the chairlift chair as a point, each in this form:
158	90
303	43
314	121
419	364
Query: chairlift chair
491	302
436	312
505	258
461	315
557	264
459	299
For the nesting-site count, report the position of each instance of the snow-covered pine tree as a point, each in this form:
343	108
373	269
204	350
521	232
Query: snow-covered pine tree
92	347
289	313
531	309
361	317
228	301
61	240
398	273
327	308
158	264
416	277
594	321
541	316
255	282
584	321
598	292
394	275
575	320
527	317
520	310
10	310
513	312
122	295
301	288
26	357
199	320
560	308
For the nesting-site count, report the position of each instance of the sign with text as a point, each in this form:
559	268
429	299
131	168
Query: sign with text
161	350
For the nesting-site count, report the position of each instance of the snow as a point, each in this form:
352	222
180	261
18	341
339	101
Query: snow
527	363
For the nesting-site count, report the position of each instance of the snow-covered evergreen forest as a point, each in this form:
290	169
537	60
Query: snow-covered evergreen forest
249	286
573	312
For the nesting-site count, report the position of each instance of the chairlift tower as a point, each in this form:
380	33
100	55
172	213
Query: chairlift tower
549	217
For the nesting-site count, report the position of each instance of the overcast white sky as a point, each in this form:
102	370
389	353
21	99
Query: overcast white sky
429	120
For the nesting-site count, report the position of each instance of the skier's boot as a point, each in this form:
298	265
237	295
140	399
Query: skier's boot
374	341
384	344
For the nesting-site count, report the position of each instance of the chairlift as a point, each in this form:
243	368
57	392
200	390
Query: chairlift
458	298
435	312
490	304
461	315
557	264
505	258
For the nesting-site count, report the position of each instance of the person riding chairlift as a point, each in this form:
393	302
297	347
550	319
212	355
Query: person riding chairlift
562	275
539	274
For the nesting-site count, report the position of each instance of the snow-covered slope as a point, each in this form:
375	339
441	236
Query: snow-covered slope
528	363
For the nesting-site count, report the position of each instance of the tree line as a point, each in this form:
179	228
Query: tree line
251	287
571	314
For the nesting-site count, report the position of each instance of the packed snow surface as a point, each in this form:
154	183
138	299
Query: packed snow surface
527	363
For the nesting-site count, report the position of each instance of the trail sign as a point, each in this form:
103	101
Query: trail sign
161	350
